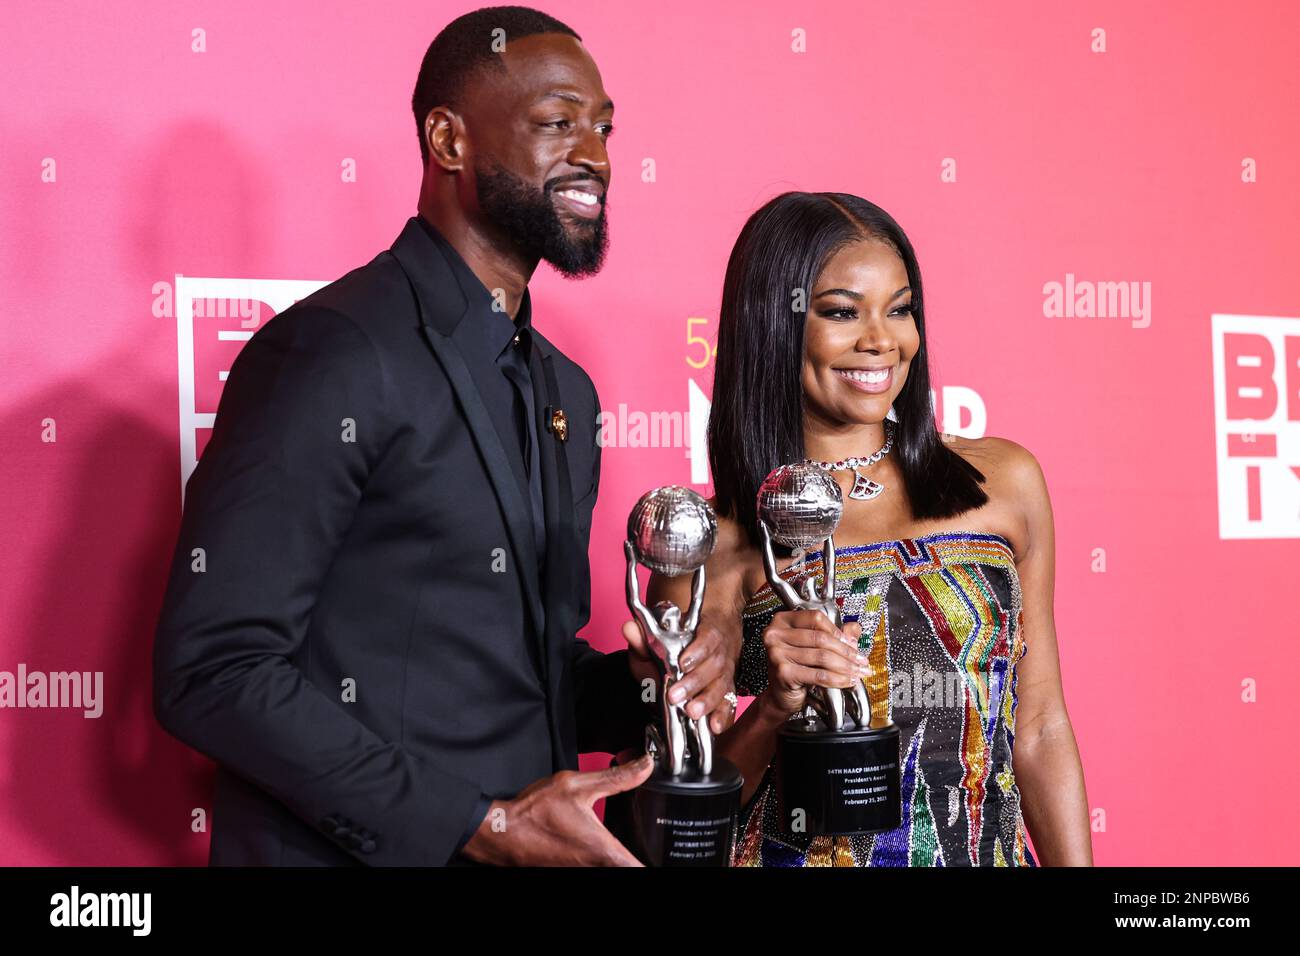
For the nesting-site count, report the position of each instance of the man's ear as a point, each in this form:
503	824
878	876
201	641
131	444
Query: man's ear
444	134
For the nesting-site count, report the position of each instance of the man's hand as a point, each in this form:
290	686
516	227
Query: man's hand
552	823
708	668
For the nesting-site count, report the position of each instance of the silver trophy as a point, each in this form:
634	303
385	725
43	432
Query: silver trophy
686	813
800	506
832	778
672	531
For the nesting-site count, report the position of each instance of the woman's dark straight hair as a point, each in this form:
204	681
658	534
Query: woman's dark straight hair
756	422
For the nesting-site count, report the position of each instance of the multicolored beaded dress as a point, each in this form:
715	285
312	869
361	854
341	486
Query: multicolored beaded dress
941	624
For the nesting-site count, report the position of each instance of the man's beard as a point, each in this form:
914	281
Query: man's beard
528	216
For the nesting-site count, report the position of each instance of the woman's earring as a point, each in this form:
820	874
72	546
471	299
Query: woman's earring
893	415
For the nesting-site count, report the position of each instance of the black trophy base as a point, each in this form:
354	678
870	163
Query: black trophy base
838	783
679	821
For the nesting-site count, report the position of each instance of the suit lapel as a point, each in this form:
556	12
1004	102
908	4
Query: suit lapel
442	305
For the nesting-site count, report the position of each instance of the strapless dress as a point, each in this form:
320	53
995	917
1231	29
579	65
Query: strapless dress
942	618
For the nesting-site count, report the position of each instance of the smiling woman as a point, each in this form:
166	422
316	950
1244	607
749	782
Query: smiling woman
823	319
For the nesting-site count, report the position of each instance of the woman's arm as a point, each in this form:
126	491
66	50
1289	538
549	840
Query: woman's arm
751	742
1046	759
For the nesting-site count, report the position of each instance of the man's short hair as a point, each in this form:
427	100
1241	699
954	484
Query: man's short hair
465	47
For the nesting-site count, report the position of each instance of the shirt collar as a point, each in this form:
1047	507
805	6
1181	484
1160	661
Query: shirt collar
524	324
493	328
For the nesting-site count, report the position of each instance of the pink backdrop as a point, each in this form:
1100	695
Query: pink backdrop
1012	148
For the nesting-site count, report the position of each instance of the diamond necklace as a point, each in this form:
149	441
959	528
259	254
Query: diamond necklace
864	488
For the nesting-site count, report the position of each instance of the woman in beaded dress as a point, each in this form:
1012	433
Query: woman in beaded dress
945	556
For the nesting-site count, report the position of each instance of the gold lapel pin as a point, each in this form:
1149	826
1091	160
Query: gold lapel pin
560	424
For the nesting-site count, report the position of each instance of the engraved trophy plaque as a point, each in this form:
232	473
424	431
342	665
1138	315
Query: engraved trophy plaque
687	812
837	763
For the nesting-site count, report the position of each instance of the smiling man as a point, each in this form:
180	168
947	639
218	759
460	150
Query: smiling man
378	646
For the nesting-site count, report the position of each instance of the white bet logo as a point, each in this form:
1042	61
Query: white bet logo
1257	425
214	318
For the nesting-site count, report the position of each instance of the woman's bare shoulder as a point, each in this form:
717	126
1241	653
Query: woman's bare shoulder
1015	481
1006	458
986	448
730	533
735	559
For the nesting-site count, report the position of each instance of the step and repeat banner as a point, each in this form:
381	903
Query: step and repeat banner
1103	196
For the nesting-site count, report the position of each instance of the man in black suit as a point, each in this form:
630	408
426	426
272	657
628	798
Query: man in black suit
371	619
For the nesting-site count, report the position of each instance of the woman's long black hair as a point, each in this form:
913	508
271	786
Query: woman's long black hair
756	422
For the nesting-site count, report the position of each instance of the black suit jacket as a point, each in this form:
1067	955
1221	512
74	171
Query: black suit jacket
350	625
